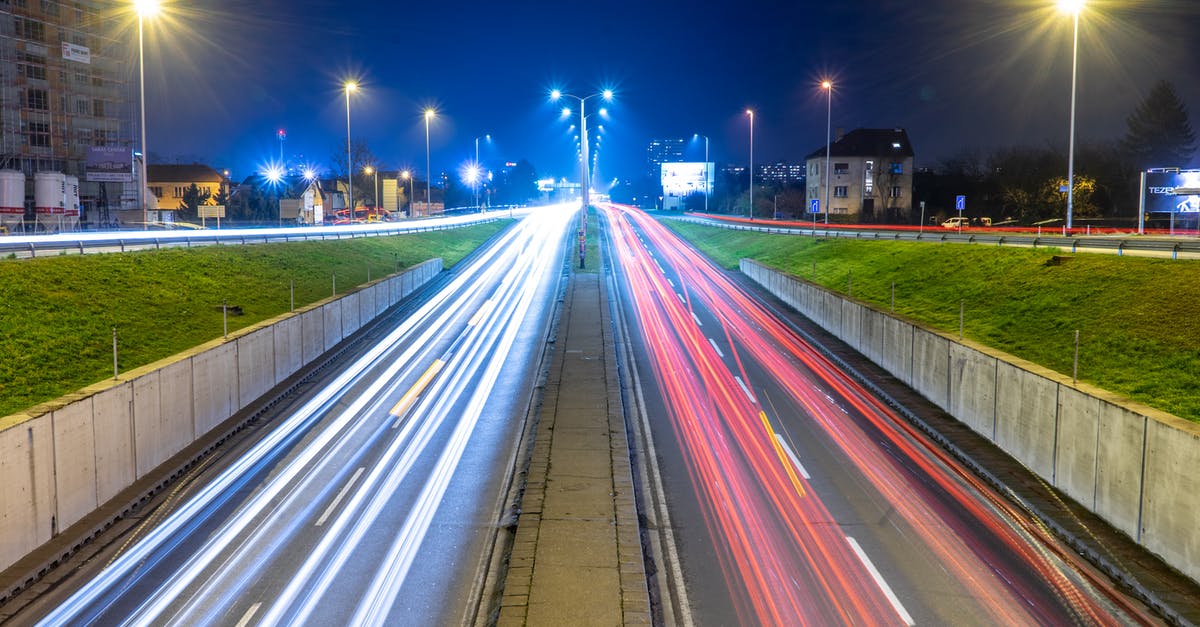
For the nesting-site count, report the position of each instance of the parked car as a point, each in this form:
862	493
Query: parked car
956	223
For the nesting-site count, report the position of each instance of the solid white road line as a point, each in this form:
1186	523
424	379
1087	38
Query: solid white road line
249	615
792	456
341	495
887	590
716	348
745	389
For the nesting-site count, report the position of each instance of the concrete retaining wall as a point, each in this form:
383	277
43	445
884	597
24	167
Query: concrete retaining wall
63	459
1133	465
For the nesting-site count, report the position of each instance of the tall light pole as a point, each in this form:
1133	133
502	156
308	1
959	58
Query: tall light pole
350	86
706	182
145	8
476	190
750	112
406	175
429	115
369	170
1074	7
827	85
585	160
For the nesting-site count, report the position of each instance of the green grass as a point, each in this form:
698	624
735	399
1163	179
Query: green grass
1138	317
58	313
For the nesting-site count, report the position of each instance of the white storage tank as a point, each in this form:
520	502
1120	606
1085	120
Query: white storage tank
71	211
49	199
12	199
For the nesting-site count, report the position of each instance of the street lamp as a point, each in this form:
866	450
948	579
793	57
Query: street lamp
145	8
406	175
369	170
1073	7
274	175
584	162
350	86
430	113
706	183
750	112
827	85
489	138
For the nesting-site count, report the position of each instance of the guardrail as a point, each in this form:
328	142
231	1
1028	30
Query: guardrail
118	241
1120	245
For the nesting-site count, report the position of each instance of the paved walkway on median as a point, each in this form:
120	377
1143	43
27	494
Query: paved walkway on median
577	558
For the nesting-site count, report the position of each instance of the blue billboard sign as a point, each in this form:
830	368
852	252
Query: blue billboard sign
1173	191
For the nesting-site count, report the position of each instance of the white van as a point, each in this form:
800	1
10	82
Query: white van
956	223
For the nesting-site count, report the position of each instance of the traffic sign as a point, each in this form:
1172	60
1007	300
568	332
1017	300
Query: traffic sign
960	203
815	204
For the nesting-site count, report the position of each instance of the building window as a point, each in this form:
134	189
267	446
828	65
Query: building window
157	191
179	191
814	168
868	178
39	134
100	138
897	168
30	29
895	192
37	99
841	168
841	191
82	107
98	108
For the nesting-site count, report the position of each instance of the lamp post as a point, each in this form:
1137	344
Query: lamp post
429	115
827	85
707	191
1074	7
371	170
750	112
406	175
585	161
476	190
349	87
145	8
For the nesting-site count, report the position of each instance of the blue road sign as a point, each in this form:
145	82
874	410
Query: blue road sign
960	203
815	203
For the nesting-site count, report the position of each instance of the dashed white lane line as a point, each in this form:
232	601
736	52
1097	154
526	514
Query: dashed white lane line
745	389
698	323
341	495
716	348
887	590
792	456
249	615
681	298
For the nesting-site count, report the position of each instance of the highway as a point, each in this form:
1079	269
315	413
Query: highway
779	491
371	499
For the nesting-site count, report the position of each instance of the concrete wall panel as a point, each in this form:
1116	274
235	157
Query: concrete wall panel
74	462
312	334
1119	467
1171	498
366	305
930	369
289	347
851	327
215	386
1075	452
332	313
255	365
973	389
871	329
27	515
112	415
895	354
351	318
149	439
1026	417
406	283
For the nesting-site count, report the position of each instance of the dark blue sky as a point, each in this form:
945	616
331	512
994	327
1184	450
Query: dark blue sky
224	75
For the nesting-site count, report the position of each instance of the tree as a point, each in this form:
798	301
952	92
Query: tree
362	156
1159	134
189	205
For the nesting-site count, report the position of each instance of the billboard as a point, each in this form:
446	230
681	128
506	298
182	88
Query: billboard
684	179
1173	191
109	164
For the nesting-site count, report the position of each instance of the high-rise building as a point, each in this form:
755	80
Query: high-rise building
662	151
780	172
63	88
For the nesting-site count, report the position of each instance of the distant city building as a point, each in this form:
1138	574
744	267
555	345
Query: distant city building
782	173
169	183
662	151
64	91
871	176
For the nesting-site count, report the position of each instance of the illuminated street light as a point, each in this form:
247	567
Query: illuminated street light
430	113
349	87
750	112
489	138
585	161
274	175
145	9
406	175
827	85
369	170
1074	8
706	182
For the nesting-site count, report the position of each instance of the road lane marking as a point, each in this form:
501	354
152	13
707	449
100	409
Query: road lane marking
745	389
411	395
681	299
340	495
698	323
792	456
253	609
671	283
887	590
483	310
716	348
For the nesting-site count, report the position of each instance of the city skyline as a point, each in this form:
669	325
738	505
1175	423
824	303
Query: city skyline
995	75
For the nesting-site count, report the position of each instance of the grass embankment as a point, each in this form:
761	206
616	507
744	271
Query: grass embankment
58	313
1138	317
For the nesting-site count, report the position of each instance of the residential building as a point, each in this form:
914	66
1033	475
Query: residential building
871	177
64	91
169	183
302	201
662	151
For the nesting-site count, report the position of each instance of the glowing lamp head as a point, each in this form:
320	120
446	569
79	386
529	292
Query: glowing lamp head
607	94
430	113
566	112
274	174
147	8
406	175
309	174
1071	7
826	84
603	112
350	86
750	112
555	94
368	170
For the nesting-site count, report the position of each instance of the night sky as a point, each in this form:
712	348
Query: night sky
223	76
